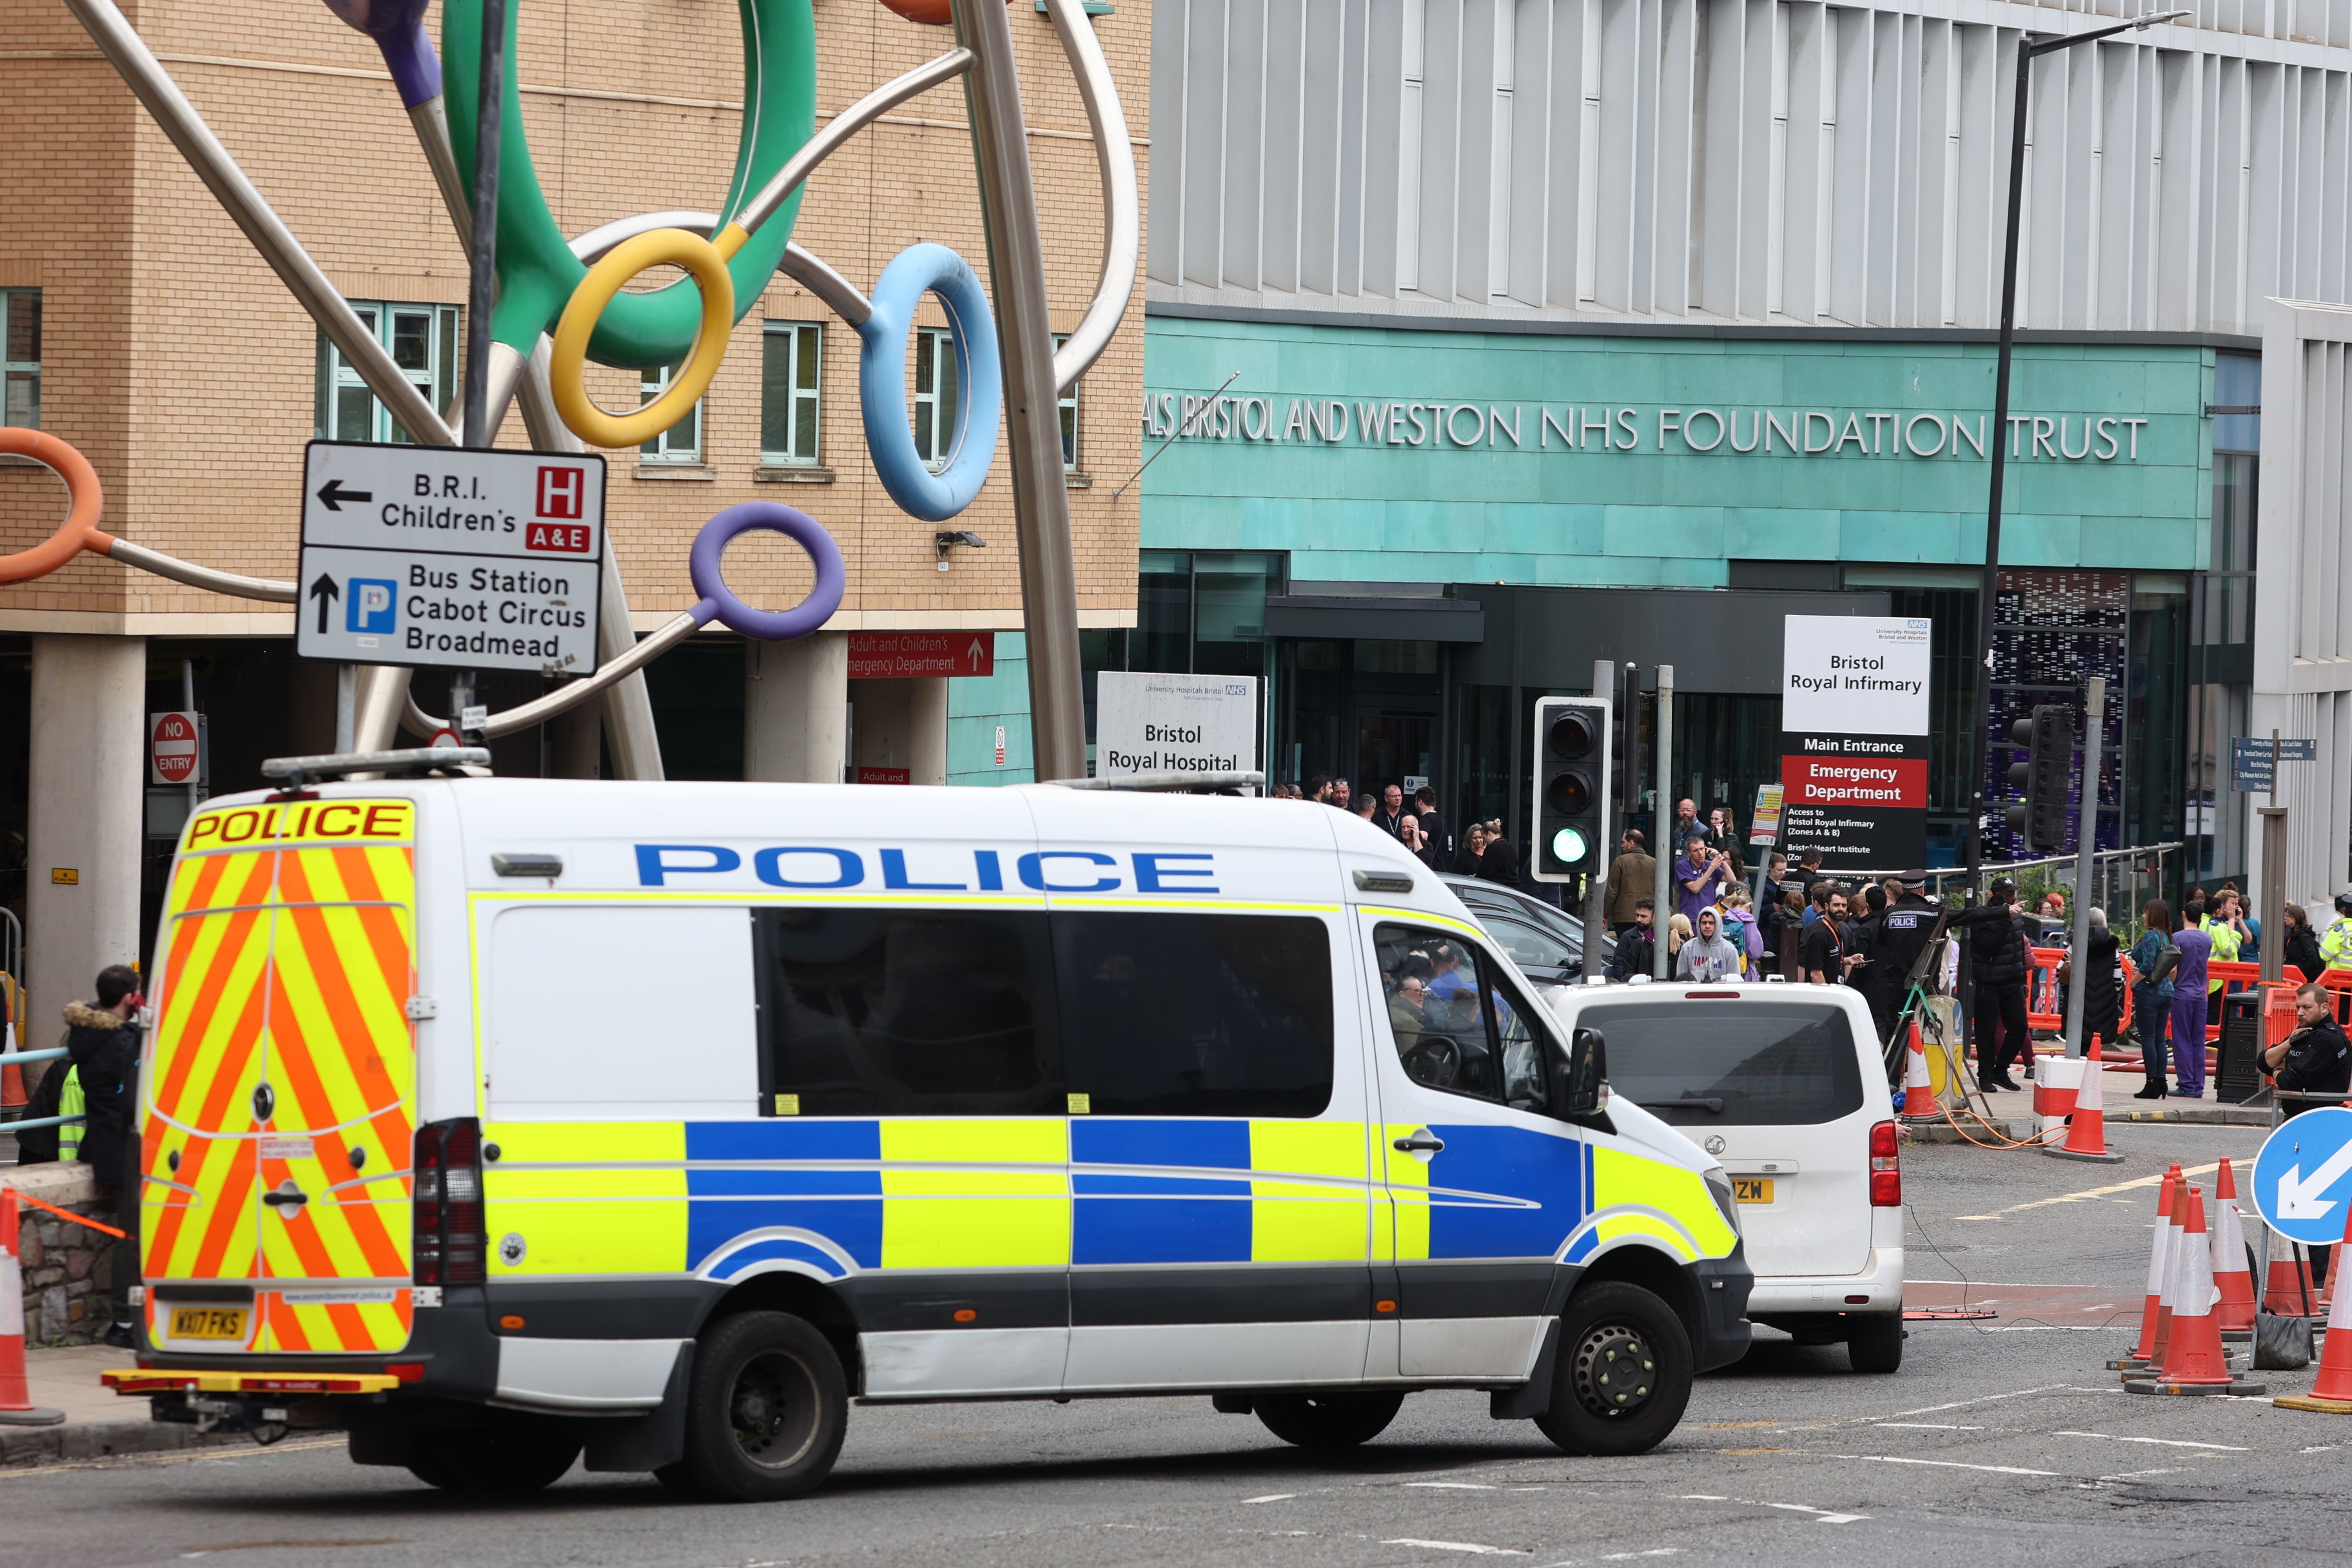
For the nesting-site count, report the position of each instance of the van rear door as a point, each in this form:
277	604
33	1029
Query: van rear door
281	1083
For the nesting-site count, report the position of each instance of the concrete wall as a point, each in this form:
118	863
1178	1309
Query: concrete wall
88	778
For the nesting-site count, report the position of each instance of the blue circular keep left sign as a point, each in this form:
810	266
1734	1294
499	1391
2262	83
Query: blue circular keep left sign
2302	1177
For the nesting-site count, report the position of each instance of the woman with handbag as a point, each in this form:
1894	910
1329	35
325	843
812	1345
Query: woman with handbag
2155	958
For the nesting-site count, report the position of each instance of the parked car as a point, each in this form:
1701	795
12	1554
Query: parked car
1785	1085
1547	943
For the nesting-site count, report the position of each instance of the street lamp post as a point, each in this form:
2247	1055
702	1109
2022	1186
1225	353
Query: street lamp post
2028	51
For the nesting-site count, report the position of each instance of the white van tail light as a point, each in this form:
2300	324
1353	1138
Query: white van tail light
1885	1169
450	1244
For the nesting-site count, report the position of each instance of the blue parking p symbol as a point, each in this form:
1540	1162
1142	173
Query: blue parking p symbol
371	605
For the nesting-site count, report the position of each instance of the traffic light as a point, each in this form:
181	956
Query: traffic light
1572	744
2039	817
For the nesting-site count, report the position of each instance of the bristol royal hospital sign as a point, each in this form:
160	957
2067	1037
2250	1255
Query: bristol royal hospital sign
1558	427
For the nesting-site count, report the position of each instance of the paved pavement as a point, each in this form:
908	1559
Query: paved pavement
1998	1442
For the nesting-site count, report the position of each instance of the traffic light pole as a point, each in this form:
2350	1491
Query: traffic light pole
2086	843
1596	912
1662	908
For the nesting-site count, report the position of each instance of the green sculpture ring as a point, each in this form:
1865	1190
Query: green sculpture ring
538	272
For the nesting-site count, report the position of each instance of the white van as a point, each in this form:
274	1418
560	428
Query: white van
495	1120
1785	1085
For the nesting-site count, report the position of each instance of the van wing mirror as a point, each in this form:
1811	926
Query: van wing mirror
1587	1090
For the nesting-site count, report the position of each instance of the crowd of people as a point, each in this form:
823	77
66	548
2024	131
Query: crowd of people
1483	850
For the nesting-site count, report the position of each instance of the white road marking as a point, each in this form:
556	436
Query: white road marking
2165	1442
1929	1426
1988	1399
1469	1546
2048	1327
1821	1515
1939	1464
1454	1486
2091	1193
1272	1496
2319	1448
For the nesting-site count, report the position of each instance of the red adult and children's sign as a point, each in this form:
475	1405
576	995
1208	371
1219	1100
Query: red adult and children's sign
901	655
453	558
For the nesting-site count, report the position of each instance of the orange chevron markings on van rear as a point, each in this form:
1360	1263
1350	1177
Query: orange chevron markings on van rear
290	964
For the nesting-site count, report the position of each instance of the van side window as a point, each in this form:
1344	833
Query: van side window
1183	1013
1456	1022
907	1013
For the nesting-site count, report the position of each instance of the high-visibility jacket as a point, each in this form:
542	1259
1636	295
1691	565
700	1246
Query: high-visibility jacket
2336	943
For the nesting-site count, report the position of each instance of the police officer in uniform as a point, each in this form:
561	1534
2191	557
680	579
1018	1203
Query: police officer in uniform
2335	943
1903	932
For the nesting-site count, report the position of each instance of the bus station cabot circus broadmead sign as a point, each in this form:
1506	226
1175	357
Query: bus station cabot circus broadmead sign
1610	427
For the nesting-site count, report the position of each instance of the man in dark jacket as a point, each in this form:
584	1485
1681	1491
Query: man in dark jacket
2103	990
1637	946
1996	937
2316	1060
98	1081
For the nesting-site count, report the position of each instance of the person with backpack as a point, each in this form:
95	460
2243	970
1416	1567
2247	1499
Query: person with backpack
98	1082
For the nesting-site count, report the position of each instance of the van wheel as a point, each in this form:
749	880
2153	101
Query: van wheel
1329	1421
1876	1344
1624	1374
504	1454
765	1410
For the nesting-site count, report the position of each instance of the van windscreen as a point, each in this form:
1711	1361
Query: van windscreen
1726	1064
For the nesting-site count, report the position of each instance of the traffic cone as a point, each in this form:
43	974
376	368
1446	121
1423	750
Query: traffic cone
16	1406
2194	1362
2139	1358
2288	1292
1919	1093
2331	1391
2230	1275
2086	1127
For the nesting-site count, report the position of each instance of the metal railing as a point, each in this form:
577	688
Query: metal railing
17	1058
2122	880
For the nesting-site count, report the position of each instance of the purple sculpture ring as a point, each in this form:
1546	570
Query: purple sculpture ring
704	566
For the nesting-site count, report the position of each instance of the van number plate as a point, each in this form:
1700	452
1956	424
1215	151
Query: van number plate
1752	1189
208	1323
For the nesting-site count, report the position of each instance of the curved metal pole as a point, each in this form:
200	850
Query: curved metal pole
613	671
245	205
1123	203
233	584
845	125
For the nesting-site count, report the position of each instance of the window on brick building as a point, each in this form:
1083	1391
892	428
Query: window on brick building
20	357
422	341
936	396
791	393
1069	415
682	442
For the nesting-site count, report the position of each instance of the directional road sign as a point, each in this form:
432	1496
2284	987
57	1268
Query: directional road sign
2305	749
2302	1177
440	556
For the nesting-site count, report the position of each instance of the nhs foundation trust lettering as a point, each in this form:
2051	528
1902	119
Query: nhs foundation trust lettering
1508	426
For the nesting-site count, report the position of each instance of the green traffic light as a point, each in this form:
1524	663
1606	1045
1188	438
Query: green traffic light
1569	846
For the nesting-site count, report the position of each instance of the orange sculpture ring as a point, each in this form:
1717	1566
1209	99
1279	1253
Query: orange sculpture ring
80	531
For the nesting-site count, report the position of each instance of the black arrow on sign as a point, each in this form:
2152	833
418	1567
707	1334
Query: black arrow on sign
326	593
334	495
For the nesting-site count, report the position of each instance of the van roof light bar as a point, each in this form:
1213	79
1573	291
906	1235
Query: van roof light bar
1165	782
413	762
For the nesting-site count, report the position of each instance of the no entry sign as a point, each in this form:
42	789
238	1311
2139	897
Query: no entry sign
170	747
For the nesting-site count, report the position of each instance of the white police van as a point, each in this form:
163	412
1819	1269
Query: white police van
502	1121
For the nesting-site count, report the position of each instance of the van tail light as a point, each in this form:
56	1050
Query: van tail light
1886	1168
451	1242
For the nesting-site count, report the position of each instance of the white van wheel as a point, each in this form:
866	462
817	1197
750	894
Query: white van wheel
1624	1374
766	1409
1329	1421
1874	1344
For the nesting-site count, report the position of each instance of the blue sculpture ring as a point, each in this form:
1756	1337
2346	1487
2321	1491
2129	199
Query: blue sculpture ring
704	565
882	383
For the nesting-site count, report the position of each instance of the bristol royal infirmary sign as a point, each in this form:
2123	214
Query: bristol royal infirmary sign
1610	427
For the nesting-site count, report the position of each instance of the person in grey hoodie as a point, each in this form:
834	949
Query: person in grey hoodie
1709	954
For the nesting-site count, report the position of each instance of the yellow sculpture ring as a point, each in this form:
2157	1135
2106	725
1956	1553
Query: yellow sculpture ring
706	262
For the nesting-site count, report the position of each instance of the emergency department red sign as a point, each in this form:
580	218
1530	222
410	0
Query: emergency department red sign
901	656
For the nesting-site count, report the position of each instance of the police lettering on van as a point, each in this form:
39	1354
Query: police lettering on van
510	1122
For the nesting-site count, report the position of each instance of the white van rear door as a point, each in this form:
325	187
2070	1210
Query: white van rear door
1773	1088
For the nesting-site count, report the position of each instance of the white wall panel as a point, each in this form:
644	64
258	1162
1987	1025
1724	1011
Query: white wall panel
1784	161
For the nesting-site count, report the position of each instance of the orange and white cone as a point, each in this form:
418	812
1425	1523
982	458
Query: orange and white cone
2086	1126
16	1406
2289	1292
1918	1090
2331	1391
2230	1275
2194	1361
2141	1356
